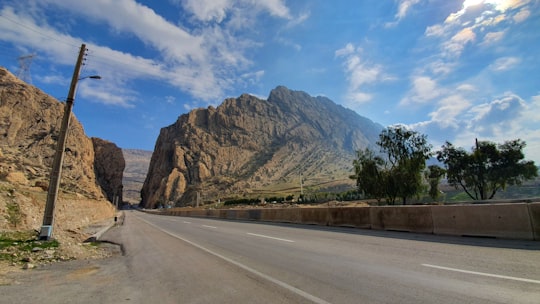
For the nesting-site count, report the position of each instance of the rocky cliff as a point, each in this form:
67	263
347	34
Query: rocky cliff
247	144
109	165
29	127
137	162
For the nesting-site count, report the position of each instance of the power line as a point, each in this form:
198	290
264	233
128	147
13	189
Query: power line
38	32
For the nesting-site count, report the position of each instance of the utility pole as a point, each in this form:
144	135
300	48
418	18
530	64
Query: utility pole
56	171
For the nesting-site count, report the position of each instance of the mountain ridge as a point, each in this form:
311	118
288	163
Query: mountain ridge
248	143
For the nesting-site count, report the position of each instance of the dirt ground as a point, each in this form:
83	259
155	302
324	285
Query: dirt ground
77	218
71	246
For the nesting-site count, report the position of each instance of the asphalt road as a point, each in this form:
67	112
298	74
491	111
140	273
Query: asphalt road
193	260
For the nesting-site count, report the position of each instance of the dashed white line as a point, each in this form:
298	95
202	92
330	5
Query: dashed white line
213	227
483	274
291	288
186	222
271	237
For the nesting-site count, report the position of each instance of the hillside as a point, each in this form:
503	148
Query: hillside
249	146
29	128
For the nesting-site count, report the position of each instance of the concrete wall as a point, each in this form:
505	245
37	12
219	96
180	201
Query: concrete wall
402	218
358	217
500	220
534	213
512	221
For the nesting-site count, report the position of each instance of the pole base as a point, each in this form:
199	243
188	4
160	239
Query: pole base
45	233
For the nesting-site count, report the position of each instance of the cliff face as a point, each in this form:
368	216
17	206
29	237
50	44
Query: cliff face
247	144
29	127
109	166
137	162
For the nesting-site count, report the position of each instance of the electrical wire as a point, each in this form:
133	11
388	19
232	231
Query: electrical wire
37	31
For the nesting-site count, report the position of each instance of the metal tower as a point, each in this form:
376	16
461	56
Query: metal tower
24	68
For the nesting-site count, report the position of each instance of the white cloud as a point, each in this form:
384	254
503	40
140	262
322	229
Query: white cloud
208	10
424	89
108	92
497	116
355	98
218	10
458	120
466	88
436	30
170	99
404	7
253	77
493	37
504	64
204	61
455	46
275	8
521	16
359	73
449	111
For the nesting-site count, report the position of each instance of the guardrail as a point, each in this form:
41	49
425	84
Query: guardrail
500	220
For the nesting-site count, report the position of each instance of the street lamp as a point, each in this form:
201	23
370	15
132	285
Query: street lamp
92	77
56	171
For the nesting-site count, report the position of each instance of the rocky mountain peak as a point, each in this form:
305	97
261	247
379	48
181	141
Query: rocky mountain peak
247	144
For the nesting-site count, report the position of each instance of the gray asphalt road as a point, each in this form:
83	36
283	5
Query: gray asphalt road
191	260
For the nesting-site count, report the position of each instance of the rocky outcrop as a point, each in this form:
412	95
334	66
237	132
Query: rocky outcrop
29	127
248	143
109	165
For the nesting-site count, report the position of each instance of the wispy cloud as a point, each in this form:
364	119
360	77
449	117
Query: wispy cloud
360	73
423	90
504	64
404	7
204	61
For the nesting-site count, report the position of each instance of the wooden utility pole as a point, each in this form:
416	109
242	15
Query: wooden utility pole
56	171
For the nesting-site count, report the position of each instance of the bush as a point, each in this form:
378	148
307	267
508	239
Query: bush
14	214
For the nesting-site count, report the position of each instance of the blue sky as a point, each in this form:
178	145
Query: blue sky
454	70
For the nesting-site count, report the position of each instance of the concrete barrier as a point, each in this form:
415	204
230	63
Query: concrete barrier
287	215
242	214
254	214
514	221
357	217
402	218
212	213
314	216
500	220
534	215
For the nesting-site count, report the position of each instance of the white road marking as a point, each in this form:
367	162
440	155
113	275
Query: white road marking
271	237
187	222
483	274
213	227
282	284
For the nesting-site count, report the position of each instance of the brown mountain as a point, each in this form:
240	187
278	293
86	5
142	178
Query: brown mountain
29	126
248	146
137	162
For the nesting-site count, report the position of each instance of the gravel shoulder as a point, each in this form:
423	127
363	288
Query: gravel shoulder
71	246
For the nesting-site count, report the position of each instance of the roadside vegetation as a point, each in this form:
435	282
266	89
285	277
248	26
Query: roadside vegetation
19	247
399	169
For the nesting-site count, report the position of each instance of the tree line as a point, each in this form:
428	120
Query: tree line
399	172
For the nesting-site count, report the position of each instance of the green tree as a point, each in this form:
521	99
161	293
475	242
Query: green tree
434	174
368	174
488	168
407	152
